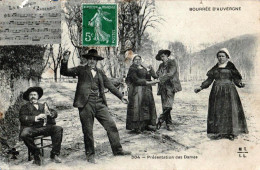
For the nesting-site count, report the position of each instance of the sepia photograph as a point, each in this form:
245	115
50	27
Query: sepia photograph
129	84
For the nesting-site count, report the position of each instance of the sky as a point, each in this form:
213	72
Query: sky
194	28
197	27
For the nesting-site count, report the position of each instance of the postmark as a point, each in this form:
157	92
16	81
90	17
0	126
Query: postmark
99	24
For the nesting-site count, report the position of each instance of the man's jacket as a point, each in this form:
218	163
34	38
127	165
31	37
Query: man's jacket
85	80
28	112
169	77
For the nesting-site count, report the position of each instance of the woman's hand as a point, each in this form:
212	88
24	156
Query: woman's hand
242	85
124	100
157	81
150	67
197	90
152	82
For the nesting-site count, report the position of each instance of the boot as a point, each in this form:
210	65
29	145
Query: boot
168	116
151	128
55	158
122	153
161	119
168	127
91	159
37	159
159	124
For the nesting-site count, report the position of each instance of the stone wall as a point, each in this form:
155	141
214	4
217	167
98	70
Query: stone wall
10	102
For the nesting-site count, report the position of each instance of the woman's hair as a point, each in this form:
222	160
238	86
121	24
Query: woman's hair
224	53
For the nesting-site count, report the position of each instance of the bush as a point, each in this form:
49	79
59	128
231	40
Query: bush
25	61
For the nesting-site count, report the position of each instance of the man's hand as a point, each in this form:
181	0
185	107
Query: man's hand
152	82
40	117
197	90
66	55
124	100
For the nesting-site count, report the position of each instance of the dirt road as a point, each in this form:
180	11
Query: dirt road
187	145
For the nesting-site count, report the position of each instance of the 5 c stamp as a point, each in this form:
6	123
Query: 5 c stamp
99	24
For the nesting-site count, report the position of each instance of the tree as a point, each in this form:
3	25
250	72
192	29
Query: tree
54	64
17	64
149	50
134	18
73	18
22	61
179	51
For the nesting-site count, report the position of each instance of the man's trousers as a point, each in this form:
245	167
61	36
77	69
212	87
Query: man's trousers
95	108
28	133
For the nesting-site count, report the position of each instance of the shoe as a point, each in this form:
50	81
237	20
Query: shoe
215	137
56	159
122	153
91	159
151	128
37	160
137	131
232	137
158	125
168	127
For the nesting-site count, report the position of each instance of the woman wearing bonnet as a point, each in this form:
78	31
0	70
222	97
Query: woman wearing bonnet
226	117
141	111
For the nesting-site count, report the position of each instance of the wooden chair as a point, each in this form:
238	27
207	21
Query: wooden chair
41	145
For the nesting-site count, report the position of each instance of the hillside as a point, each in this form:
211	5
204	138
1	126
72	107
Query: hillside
243	51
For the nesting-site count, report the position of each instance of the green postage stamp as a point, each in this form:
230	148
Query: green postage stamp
99	24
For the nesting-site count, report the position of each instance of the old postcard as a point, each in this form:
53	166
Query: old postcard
129	84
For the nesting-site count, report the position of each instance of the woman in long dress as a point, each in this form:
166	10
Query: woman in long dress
226	117
96	21
141	111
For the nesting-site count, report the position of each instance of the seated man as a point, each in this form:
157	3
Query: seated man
32	116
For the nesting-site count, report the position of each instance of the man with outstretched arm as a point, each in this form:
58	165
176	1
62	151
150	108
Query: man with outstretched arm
91	102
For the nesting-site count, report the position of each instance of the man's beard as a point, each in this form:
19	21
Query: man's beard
92	65
33	100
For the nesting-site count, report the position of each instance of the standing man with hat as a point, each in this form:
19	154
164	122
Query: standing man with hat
32	116
169	84
91	102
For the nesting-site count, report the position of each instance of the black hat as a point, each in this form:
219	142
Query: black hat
92	53
31	89
160	52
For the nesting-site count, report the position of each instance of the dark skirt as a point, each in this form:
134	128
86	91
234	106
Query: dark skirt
225	111
141	110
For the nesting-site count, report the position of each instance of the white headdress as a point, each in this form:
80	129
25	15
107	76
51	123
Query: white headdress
225	50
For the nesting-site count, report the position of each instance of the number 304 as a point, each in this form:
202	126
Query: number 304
135	157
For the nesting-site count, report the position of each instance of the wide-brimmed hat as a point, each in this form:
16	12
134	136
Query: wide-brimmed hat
224	50
160	52
92	53
39	90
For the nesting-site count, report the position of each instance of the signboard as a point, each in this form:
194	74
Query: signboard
30	22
